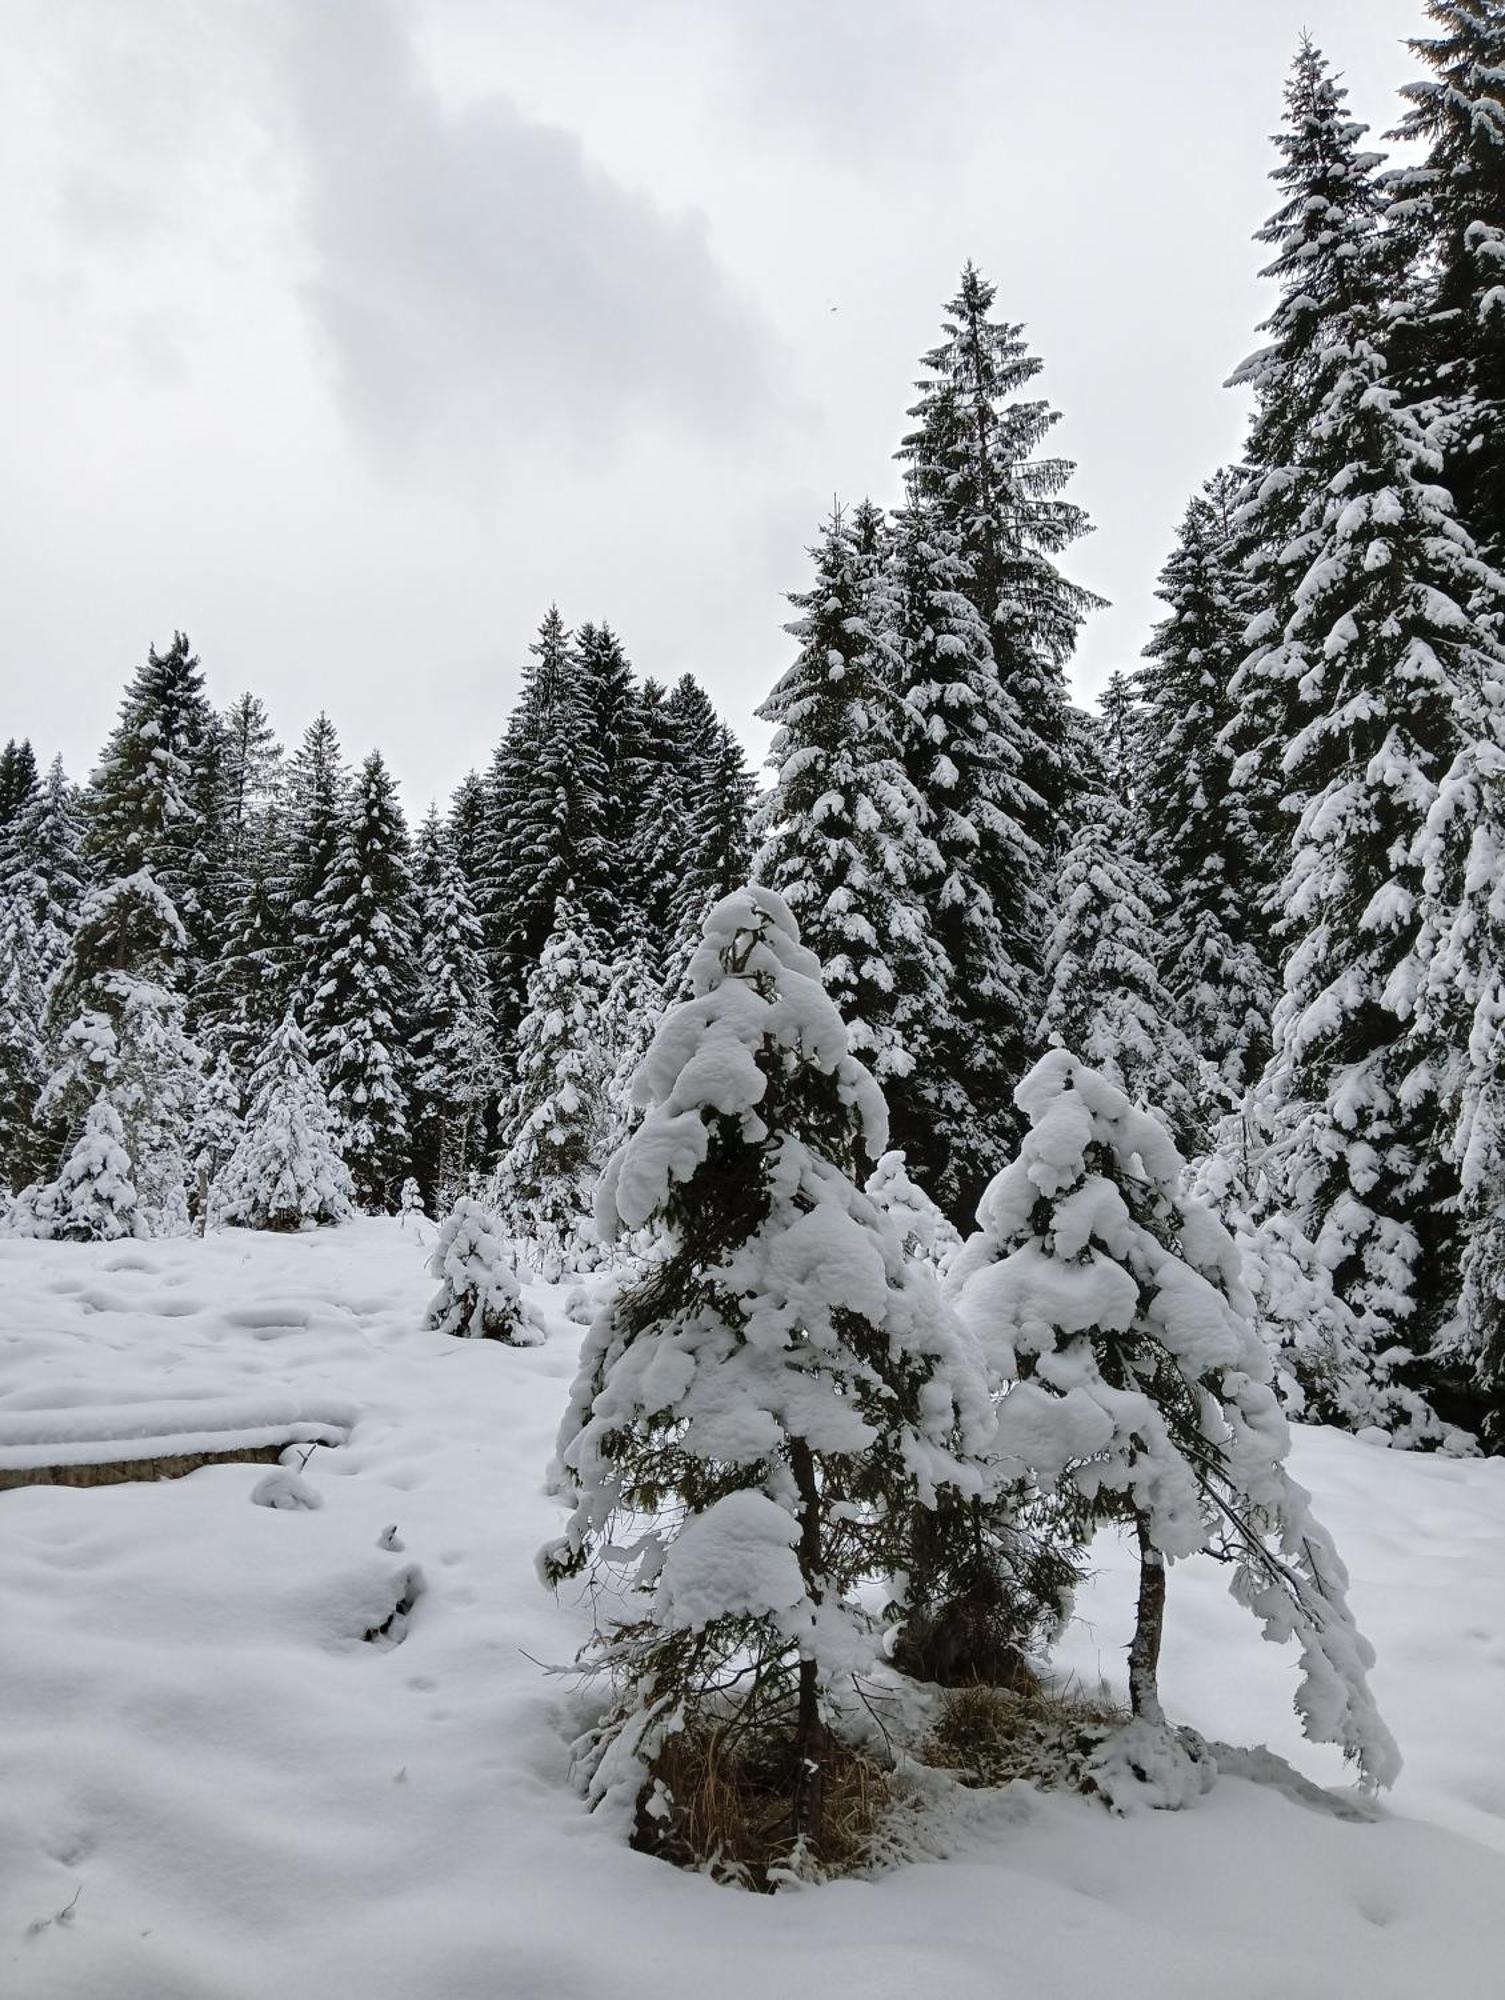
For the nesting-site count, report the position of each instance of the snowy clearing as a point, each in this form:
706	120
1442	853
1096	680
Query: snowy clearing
271	1732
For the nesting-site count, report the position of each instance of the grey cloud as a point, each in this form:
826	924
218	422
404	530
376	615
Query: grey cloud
473	273
857	78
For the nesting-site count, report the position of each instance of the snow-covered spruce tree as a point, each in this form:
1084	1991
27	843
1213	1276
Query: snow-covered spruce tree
1110	1303
764	1410
657	783
717	844
42	867
629	1020
1329	266
456	1065
1103	993
285	1172
248	987
1332	1365
1459	1027
1387	638
23	1068
555	1114
148	799
467	827
479	1297
609	694
1450	212
843	839
1119	731
93	1199
964	749
1191	822
252	780
359	1020
972	457
315	809
546	829
18	780
115	1020
213	1135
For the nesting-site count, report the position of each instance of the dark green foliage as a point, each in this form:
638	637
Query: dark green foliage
1450	216
972	458
843	843
547	826
154	785
359	1019
18	780
1219	961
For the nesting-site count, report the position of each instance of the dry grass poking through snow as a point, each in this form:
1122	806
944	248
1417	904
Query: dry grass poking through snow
728	1809
1045	1735
721	1804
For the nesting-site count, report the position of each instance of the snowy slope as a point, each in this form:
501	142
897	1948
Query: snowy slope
241	1796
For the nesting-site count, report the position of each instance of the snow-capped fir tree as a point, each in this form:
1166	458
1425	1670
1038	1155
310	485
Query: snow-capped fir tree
658	783
247	988
456	1066
148	799
18	780
844	843
1386	636
316	807
479	1297
42	867
1331	1367
635	998
1119	733
547	829
93	1199
1458	1026
964	749
213	1135
23	1065
717	847
762	1413
609	694
467	827
555	1117
1329	266
692	842
1190	819
359	1019
1103	994
1450	211
251	778
286	1172
115	1020
1111	1306
972	457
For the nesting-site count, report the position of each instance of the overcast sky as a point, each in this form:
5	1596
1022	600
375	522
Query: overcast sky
348	334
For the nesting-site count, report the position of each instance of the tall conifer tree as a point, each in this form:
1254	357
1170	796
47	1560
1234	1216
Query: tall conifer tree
1217	963
1451	210
973	457
844	844
359	1019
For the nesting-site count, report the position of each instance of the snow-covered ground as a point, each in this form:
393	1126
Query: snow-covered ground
233	1794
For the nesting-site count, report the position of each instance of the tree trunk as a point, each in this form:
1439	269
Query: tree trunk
1144	1653
806	1786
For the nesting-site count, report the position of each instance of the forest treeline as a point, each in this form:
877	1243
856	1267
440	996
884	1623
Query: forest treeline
1259	891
